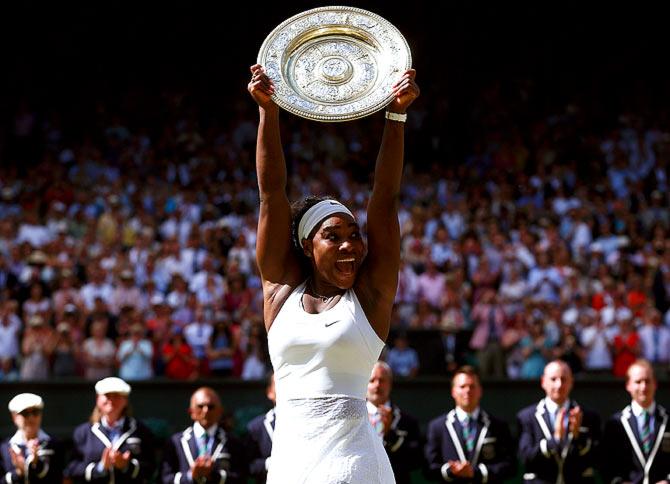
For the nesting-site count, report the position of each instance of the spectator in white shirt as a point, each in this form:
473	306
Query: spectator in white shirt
32	231
10	329
126	294
655	338
200	280
96	287
596	339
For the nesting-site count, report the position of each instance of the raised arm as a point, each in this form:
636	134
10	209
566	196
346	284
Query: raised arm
379	277
276	260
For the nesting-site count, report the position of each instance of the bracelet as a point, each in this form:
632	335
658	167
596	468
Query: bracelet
400	118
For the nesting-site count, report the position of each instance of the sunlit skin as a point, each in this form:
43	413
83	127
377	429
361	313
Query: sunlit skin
379	392
379	385
641	384
205	408
28	422
112	406
336	252
467	393
270	391
557	384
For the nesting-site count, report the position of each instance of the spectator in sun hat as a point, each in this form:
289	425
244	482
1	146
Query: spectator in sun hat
31	454
113	446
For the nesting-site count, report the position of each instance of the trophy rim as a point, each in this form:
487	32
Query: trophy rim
284	104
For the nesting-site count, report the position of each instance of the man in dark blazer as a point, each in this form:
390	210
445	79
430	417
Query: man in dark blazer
259	438
112	447
204	453
636	443
30	455
558	438
467	445
398	430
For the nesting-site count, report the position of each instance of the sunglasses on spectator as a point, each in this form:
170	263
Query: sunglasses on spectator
31	412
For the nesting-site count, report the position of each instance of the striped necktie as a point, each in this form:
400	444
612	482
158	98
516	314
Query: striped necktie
469	432
204	447
645	432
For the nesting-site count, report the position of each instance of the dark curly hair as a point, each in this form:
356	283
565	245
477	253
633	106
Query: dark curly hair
298	209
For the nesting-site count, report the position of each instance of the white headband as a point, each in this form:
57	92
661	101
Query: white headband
316	214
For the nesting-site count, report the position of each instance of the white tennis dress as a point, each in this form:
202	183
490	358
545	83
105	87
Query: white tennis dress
322	365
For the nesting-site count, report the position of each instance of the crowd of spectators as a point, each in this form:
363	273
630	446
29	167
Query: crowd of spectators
128	248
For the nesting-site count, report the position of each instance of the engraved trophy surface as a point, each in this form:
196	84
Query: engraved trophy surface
334	63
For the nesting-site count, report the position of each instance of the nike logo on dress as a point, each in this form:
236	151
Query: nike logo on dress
330	323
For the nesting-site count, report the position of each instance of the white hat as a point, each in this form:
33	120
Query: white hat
112	384
157	300
25	400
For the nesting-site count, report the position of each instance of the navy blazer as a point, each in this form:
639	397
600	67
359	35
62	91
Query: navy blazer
259	444
492	457
228	454
47	470
89	441
402	443
572	461
623	457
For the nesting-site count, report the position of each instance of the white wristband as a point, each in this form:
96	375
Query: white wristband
401	118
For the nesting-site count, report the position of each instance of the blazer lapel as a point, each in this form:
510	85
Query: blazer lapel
456	438
130	427
269	423
96	429
630	426
189	446
482	428
661	418
542	417
220	440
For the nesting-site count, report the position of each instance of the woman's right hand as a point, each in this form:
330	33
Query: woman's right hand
261	87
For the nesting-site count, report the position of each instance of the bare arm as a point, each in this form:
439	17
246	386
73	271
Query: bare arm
276	261
378	280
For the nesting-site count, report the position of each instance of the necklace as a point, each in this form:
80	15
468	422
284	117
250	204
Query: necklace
313	293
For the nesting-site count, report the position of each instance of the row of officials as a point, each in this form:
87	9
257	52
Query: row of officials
559	441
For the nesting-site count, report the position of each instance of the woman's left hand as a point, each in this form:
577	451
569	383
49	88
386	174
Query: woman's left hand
405	91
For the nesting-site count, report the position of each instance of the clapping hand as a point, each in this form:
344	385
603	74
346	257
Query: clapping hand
18	461
202	467
461	469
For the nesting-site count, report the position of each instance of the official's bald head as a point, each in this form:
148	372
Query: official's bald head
380	383
557	381
205	407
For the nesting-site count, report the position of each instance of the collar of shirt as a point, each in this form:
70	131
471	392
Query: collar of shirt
199	430
461	414
372	408
20	439
118	425
637	409
552	407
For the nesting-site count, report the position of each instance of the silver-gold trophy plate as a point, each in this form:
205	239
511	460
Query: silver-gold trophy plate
334	63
